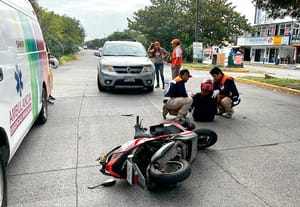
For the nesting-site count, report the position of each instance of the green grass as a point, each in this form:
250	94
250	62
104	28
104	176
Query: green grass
67	58
206	67
283	82
197	65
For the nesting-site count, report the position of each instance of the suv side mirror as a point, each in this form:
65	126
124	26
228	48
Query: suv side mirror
97	53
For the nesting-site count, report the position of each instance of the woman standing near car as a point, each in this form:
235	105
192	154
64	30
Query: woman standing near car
158	54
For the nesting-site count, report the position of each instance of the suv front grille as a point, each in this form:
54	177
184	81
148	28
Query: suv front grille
130	69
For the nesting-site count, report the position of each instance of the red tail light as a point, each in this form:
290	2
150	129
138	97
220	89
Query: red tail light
135	177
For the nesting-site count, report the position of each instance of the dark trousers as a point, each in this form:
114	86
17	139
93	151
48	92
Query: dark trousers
159	69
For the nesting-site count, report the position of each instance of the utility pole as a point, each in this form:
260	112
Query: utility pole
196	21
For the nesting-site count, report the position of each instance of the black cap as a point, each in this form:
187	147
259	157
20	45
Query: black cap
184	71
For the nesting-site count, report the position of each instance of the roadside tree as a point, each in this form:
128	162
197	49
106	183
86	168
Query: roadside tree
62	33
280	8
168	19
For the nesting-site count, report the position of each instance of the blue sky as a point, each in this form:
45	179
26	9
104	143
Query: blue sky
102	17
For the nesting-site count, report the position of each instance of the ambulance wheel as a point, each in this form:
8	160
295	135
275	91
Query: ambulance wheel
3	184
42	118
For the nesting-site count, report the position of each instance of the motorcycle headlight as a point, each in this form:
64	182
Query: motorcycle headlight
108	67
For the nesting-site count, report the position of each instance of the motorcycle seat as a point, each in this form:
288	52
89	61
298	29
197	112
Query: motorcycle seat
157	130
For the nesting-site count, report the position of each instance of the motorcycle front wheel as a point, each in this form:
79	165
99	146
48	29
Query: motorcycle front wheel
206	138
172	173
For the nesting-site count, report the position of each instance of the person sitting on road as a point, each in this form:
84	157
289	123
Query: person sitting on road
176	100
225	92
204	107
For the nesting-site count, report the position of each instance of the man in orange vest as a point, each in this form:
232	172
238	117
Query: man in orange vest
225	92
176	61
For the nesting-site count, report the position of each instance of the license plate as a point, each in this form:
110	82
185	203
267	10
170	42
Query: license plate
129	172
129	79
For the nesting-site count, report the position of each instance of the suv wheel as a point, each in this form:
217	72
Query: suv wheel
150	88
100	87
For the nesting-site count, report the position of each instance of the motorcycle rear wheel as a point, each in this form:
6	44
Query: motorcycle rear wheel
174	172
206	138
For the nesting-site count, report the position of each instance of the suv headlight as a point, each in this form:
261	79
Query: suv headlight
147	68
107	67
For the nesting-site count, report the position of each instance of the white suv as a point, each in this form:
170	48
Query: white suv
125	64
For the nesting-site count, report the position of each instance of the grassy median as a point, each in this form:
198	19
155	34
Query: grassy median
206	67
282	82
67	58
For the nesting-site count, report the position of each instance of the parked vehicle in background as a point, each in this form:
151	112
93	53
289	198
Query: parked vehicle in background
199	57
198	54
98	52
126	65
24	79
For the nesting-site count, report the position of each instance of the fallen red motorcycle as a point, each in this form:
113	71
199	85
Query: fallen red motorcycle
158	157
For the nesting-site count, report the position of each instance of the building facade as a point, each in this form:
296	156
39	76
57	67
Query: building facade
272	43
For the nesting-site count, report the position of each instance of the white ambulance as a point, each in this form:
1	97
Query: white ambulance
24	79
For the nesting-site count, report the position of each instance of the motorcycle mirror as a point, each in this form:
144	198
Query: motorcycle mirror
108	182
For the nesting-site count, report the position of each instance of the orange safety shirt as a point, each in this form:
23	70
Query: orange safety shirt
179	59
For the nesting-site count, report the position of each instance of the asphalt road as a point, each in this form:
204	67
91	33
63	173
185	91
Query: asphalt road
254	163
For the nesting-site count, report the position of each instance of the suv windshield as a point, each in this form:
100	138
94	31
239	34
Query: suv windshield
127	49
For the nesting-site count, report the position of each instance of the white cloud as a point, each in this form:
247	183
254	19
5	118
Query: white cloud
245	8
103	17
98	17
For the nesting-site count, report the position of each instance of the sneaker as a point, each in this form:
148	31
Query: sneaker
228	115
51	98
157	86
220	112
50	102
180	119
165	111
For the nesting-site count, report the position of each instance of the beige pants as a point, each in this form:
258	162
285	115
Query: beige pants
51	77
225	105
179	106
175	70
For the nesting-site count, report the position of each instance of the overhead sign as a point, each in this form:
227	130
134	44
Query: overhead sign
274	40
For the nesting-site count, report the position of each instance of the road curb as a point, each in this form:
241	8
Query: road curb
269	86
267	65
226	70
